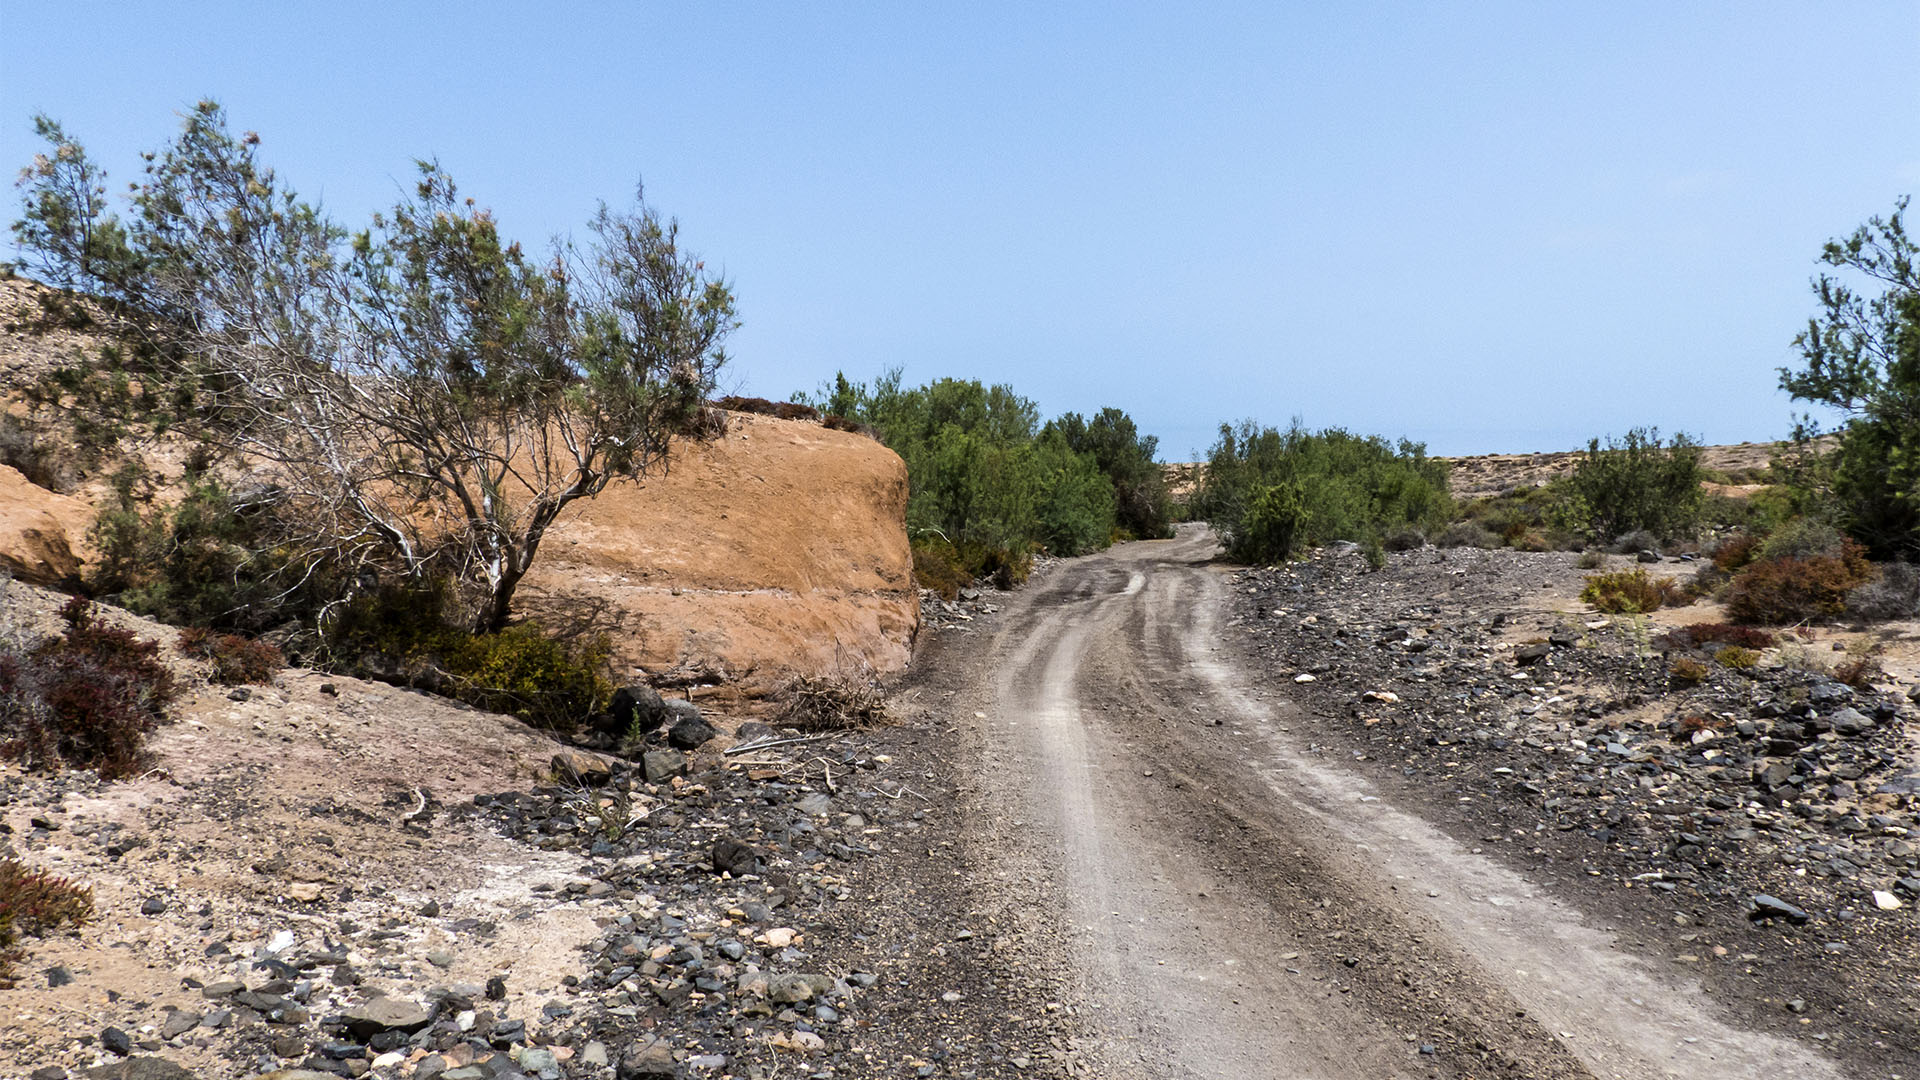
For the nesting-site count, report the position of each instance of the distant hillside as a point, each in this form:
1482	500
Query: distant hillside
1482	475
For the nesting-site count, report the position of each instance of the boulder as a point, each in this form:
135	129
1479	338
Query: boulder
635	707
1851	722
577	766
1772	907
380	1014
730	856
662	765
1527	655
798	989
690	733
649	1060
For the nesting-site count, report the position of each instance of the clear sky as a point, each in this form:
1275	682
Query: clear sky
1490	227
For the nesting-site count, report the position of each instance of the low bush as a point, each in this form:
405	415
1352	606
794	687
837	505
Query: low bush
208	560
1736	551
1686	671
407	636
1271	493
35	902
1592	559
1407	538
784	410
937	566
85	699
1530	540
1894	593
1798	589
1629	592
1634	542
1737	658
1802	538
235	659
1467	534
1705	633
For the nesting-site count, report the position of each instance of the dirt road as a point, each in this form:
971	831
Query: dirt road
1236	901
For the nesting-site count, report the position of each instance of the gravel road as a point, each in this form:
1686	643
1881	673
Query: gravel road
1235	902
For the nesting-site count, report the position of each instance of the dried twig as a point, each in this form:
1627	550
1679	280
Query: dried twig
766	743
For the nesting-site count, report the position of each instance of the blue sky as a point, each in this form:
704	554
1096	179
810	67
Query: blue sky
1490	227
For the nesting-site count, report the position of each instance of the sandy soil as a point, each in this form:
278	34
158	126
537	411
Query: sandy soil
252	812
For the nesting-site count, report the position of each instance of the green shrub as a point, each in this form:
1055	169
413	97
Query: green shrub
1798	589
206	561
1270	493
1374	552
1629	592
1467	534
35	902
409	635
937	566
235	659
1270	528
1592	559
1404	538
1638	482
85	699
1801	538
1142	508
1686	671
1737	658
985	475
1861	354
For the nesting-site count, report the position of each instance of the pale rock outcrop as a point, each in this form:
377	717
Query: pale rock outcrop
42	533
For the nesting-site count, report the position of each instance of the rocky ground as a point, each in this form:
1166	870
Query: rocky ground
1758	827
340	877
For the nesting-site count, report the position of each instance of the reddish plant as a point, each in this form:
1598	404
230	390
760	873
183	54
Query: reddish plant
235	659
1736	551
86	699
34	902
1702	633
1796	589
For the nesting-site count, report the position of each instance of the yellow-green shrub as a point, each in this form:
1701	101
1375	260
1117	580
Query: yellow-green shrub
1686	671
1629	592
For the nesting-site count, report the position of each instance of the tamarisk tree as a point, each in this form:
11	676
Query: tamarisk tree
421	397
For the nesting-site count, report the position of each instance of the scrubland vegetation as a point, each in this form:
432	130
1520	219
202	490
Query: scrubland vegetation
419	399
990	485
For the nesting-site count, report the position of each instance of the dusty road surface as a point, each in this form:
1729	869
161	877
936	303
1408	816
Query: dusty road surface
1236	902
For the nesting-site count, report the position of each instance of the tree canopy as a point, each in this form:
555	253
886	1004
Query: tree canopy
422	396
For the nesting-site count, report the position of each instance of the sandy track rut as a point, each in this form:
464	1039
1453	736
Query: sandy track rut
1240	906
